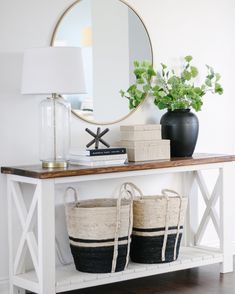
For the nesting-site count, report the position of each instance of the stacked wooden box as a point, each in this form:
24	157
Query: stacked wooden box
144	142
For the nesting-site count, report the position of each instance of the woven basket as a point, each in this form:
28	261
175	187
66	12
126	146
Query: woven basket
157	225
100	232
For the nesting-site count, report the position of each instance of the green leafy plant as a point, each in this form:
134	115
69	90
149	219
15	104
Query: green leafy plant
171	90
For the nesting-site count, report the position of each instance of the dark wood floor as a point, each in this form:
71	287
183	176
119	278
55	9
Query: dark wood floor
204	280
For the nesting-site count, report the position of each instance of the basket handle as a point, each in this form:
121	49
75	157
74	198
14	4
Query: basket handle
178	228
167	192
132	190
117	231
129	196
75	194
118	226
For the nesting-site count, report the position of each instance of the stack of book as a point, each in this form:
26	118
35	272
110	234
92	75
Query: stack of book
98	157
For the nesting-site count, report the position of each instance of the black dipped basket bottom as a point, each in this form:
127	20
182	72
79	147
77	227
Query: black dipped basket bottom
97	259
99	233
148	249
157	225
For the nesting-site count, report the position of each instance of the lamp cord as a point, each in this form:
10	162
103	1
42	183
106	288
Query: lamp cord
59	253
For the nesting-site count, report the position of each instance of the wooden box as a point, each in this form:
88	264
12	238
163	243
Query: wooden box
141	132
147	150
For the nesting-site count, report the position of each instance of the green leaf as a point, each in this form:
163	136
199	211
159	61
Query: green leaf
139	72
218	89
146	63
210	76
138	95
188	58
146	88
210	69
122	93
197	104
140	81
151	72
155	88
186	75
135	103
161	93
208	82
131	105
163	66
132	88
217	77
161	105
136	63
173	80
198	91
194	71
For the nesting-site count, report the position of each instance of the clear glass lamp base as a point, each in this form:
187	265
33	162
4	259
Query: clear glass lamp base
54	132
55	164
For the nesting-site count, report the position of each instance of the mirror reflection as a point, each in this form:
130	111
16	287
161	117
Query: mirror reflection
111	36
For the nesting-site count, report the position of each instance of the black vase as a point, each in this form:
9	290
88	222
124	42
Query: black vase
181	127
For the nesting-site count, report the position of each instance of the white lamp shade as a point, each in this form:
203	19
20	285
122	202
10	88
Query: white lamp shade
53	70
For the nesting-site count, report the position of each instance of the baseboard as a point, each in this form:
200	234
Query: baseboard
4	288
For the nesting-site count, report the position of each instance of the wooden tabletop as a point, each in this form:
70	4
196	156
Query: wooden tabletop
36	171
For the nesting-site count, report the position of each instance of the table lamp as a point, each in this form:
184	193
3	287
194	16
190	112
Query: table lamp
54	71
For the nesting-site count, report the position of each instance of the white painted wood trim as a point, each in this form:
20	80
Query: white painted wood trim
69	279
46	236
26	283
10	234
226	215
27	222
210	202
25	180
10	192
67	180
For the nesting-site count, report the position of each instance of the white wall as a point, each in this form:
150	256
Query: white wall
202	28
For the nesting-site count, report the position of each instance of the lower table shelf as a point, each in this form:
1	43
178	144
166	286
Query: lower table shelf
67	278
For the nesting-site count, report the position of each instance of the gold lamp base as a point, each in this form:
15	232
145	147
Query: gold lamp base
55	164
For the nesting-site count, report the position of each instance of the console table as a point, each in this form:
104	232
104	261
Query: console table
46	278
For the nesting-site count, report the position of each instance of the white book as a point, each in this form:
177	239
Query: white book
98	152
98	163
86	158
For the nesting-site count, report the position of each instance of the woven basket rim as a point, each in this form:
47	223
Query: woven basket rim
155	197
99	203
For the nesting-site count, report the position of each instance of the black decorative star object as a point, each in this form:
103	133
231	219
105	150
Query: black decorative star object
97	138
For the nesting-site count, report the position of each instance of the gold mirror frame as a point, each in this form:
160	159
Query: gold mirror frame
151	47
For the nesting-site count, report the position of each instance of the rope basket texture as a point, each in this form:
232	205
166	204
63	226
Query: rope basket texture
157	225
100	232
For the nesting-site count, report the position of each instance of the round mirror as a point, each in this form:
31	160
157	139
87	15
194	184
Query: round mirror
112	36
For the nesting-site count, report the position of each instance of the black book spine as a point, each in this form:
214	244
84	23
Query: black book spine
99	152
